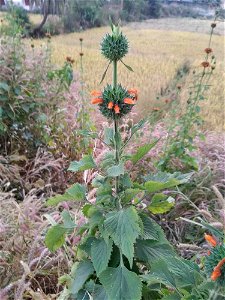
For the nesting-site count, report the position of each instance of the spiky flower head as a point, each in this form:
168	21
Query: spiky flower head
115	46
114	101
215	264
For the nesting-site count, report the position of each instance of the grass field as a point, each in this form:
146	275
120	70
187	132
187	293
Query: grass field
157	49
155	55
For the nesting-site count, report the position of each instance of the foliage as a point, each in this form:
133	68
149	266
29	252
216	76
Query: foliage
119	242
23	93
183	132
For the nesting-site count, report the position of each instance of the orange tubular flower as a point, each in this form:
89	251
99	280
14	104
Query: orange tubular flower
210	239
133	92
96	93
97	101
215	274
117	109
129	101
110	105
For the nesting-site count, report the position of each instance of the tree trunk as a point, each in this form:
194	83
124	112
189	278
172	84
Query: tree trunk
46	10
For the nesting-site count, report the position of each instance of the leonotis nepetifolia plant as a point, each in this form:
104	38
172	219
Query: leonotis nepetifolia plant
123	253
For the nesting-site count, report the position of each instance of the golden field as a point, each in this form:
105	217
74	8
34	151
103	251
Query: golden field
157	49
155	55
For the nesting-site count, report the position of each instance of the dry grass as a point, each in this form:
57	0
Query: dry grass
155	55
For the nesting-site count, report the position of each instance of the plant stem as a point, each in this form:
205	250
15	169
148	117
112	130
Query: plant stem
116	132
82	85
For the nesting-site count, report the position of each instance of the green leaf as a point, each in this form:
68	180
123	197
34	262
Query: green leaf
155	186
4	86
161	204
100	254
128	67
184	273
55	237
121	284
85	163
123	226
77	191
165	177
109	136
142	151
104	74
108	160
59	198
68	222
115	171
160	273
151	230
129	194
80	273
99	293
150	251
138	126
88	133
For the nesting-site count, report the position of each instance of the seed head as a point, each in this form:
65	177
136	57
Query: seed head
213	25
208	50
205	64
81	53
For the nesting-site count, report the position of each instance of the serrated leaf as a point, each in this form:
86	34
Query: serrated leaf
149	251
121	284
161	204
80	273
85	163
142	151
100	254
123	227
151	230
99	293
86	244
155	186
55	237
85	209
115	171
77	191
184	273
160	273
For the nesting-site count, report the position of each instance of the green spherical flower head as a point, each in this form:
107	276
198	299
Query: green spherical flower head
212	260
113	102
114	47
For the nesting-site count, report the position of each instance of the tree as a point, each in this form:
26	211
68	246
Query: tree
154	8
55	7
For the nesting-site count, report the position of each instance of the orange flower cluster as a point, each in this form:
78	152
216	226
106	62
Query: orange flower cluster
99	100
97	97
208	50
69	59
211	240
205	64
217	270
